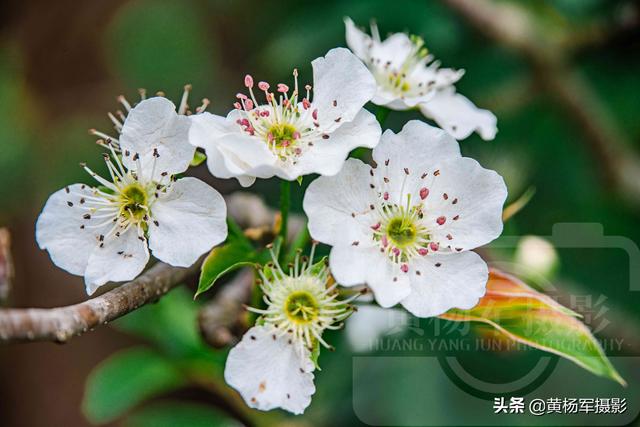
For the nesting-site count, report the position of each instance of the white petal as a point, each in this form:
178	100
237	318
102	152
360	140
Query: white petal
338	206
474	196
120	258
459	116
270	372
394	50
206	131
342	85
154	124
59	231
355	265
191	219
417	148
232	153
388	99
458	282
358	41
327	156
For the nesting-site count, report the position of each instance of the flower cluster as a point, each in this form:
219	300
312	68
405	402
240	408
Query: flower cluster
404	227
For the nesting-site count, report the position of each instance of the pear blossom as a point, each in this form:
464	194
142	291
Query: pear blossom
406	227
292	133
105	232
408	77
272	366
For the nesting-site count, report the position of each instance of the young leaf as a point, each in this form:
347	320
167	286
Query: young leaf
198	158
126	379
532	318
222	260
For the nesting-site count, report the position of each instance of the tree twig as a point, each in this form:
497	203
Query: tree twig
62	323
511	27
220	319
6	265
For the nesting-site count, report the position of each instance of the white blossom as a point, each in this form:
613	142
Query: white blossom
272	366
291	133
408	77
105	232
406	227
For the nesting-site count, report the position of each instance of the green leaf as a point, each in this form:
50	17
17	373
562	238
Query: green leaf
178	414
170	323
198	158
126	379
527	316
222	260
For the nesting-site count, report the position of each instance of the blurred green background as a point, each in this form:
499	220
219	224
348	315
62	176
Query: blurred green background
63	63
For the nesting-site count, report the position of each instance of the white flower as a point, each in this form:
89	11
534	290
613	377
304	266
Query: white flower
272	366
407	77
104	233
292	134
406	227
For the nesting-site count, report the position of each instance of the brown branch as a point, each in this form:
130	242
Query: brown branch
511	27
220	319
6	265
62	323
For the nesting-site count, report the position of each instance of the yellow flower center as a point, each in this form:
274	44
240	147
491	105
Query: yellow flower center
301	307
133	202
401	232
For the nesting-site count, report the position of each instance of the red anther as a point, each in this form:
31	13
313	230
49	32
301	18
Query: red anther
423	251
404	268
283	88
375	227
424	192
305	103
263	86
396	251
441	220
434	246
298	151
315	114
248	81
241	96
296	135
237	105
385	195
286	143
248	104
385	242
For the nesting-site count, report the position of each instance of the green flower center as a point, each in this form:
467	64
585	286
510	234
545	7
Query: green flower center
133	201
401	232
281	135
301	307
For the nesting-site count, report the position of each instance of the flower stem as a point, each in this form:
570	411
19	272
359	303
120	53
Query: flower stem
285	204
